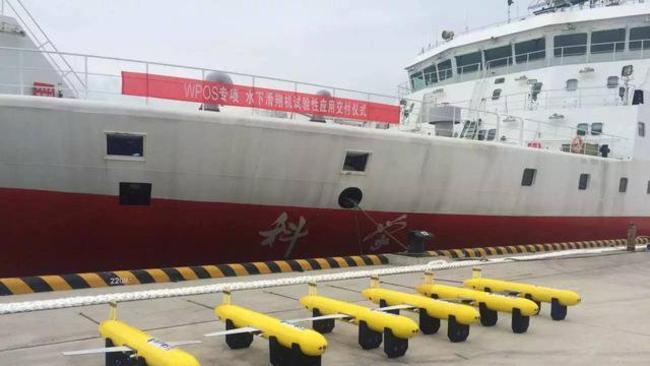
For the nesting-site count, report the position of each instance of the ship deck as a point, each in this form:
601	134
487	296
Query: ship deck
610	326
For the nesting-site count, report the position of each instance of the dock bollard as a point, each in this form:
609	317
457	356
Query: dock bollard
417	244
631	238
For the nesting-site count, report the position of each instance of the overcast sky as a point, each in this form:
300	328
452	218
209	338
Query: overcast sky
359	44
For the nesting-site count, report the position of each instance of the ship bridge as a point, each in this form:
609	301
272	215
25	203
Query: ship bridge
569	77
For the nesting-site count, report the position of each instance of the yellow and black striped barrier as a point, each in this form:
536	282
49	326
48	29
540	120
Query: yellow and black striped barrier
74	281
531	248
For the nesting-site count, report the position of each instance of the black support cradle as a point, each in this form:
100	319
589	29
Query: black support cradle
558	311
368	338
428	324
283	356
122	358
488	317
393	346
383	304
456	332
323	326
519	322
237	341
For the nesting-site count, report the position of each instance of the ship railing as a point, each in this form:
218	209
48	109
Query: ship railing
631	49
102	80
516	130
570	97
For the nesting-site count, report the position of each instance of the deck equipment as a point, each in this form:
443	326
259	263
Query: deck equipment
488	304
129	346
289	345
373	323
458	316
559	299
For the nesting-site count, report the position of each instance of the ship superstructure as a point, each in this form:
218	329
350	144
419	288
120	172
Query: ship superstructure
529	131
567	74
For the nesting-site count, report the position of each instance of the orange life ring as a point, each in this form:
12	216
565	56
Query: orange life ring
577	144
535	144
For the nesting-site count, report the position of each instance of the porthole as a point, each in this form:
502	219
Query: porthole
350	197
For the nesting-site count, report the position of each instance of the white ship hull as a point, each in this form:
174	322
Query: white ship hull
237	189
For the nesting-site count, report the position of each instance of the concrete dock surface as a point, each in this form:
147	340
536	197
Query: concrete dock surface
610	327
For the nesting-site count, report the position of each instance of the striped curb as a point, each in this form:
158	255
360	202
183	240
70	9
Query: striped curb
74	281
530	248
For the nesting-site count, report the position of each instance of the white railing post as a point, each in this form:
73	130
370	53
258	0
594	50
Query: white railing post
20	73
373	124
579	98
498	136
295	95
642	48
253	86
146	98
86	76
202	81
521	132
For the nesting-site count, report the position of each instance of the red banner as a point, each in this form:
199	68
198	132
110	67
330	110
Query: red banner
209	92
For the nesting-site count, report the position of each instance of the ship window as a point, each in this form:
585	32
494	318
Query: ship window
640	38
499	80
481	134
135	194
469	62
355	161
641	129
612	82
444	70
430	75
647	190
492	133
608	41
570	45
582	129
572	85
529	177
498	57
596	128
622	185
496	94
417	81
583	183
534	49
124	144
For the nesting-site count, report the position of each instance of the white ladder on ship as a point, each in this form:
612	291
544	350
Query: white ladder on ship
476	105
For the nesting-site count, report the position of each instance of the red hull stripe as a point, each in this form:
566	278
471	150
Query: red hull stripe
32	284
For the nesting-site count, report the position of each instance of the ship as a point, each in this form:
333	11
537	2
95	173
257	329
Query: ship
531	130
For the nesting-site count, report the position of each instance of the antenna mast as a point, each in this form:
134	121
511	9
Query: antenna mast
510	2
